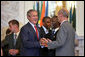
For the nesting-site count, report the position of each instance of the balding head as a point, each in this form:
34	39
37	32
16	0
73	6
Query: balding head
64	12
29	12
63	15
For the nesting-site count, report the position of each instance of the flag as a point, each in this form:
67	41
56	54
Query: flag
37	5
70	17
42	13
46	12
40	10
74	18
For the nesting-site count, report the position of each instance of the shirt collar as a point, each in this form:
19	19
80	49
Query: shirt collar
17	34
55	30
46	31
62	22
32	25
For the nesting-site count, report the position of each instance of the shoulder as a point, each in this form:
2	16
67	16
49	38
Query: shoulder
26	26
9	35
65	25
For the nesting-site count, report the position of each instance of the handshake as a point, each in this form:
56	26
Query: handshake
44	41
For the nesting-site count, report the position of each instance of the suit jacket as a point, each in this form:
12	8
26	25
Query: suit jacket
51	52
51	36
64	43
43	51
43	34
8	43
30	43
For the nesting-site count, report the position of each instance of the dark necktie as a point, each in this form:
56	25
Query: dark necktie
36	32
53	31
15	36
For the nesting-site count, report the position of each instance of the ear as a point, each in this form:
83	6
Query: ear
27	17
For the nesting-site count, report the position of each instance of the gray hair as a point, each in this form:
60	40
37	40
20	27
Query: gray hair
29	12
64	12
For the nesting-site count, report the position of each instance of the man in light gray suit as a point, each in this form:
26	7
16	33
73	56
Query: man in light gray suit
64	43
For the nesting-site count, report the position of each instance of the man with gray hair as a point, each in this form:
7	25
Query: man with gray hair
64	43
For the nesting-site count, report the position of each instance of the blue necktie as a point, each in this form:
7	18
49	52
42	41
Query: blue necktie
53	31
15	39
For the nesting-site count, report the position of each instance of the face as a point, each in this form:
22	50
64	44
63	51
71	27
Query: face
55	22
12	27
33	18
60	17
47	23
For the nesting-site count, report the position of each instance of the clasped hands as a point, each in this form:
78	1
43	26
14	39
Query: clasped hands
13	51
44	41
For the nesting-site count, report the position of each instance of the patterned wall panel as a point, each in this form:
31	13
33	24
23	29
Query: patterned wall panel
9	11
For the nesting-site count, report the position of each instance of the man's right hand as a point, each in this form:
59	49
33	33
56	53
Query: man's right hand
43	42
13	51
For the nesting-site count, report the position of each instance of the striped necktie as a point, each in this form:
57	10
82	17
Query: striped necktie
36	32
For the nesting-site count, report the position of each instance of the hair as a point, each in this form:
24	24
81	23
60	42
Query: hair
8	31
29	12
14	22
55	17
45	18
64	12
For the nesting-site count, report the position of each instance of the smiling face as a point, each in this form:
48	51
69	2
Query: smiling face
33	18
47	23
55	22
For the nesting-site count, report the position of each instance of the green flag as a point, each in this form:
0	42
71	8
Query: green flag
74	18
40	10
70	17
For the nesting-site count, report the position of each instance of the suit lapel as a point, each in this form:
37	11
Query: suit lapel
11	42
43	30
31	29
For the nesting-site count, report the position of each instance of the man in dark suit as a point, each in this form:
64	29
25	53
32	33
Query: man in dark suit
45	32
30	36
55	29
46	26
11	41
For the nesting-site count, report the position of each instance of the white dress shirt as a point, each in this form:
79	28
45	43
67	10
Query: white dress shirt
45	30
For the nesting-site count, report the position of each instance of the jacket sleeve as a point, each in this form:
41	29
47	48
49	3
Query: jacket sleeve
60	39
5	42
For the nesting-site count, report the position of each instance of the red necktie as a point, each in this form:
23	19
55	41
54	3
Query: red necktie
36	32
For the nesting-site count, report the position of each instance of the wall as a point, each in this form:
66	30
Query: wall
14	10
80	18
9	11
